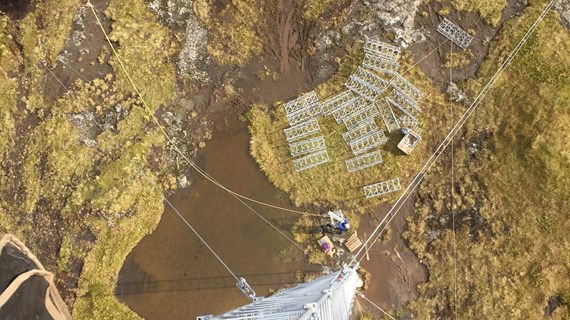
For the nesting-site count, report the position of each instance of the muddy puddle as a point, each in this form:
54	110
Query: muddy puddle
171	275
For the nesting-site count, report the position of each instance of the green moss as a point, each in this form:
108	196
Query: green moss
237	35
517	258
331	183
146	48
489	10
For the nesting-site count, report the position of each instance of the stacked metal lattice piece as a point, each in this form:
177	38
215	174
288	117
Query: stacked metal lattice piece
375	89
302	114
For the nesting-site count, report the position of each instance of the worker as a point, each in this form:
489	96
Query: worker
343	225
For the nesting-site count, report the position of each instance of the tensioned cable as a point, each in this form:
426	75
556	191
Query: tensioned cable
401	74
360	294
196	167
452	188
170	140
155	187
459	124
237	198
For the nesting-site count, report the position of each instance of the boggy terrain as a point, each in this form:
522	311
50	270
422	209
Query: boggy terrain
76	136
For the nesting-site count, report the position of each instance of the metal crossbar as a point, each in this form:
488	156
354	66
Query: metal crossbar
379	63
408	122
366	84
380	188
311	160
355	119
365	127
311	111
327	297
302	129
452	32
367	142
307	146
405	105
348	109
301	102
371	78
401	84
363	161
361	88
381	49
388	116
337	101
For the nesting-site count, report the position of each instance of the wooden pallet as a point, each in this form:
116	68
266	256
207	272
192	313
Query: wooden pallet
353	242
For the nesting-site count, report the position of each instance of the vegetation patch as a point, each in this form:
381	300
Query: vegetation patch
489	10
331	183
511	195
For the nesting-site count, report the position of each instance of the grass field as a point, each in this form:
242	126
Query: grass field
511	194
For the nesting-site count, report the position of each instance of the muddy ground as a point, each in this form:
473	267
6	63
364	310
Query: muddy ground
208	109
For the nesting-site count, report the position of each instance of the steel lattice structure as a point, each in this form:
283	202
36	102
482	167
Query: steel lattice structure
349	109
388	116
367	142
404	86
452	32
301	102
379	63
364	127
363	161
302	130
408	122
407	106
307	146
311	111
356	118
380	188
330	297
382	49
311	160
366	84
337	101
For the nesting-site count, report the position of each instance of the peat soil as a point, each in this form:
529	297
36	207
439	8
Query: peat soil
395	270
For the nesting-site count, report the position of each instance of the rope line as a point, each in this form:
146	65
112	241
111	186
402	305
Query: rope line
452	189
245	204
375	305
459	124
154	187
170	140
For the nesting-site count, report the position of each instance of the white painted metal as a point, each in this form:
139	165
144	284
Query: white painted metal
337	101
302	130
381	188
367	142
407	106
301	102
307	146
356	118
363	161
348	109
366	84
311	160
408	122
364	127
381	49
452	32
403	86
379	63
330	297
311	111
388	116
